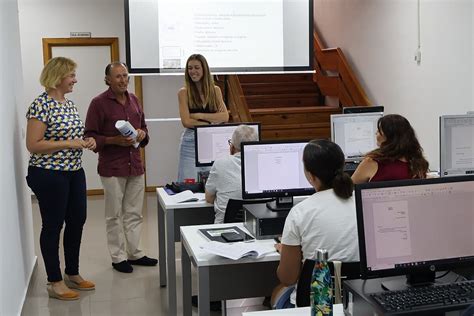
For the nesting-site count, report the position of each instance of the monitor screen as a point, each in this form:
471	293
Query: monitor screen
355	133
363	109
456	143
411	226
212	141
274	169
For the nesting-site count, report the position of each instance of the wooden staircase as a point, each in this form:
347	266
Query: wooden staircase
293	106
289	106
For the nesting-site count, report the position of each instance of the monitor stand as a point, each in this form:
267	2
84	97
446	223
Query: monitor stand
281	204
420	278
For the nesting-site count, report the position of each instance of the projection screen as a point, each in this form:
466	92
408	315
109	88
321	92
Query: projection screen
235	36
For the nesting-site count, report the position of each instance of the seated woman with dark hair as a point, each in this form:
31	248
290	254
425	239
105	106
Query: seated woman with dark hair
326	219
398	157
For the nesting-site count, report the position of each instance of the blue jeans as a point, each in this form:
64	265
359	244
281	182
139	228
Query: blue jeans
187	157
62	199
284	301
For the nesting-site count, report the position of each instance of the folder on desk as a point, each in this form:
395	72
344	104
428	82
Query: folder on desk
215	234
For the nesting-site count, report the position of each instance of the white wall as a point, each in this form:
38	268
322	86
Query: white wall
16	229
380	38
104	18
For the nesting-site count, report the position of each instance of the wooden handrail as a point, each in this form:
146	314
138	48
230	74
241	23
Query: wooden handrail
349	90
237	103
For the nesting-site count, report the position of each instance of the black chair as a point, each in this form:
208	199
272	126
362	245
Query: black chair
349	271
234	211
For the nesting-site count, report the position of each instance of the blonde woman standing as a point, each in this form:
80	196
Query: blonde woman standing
54	137
200	103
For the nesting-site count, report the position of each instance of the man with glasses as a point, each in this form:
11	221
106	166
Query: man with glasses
224	181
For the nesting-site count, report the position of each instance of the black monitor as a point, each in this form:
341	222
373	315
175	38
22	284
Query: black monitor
211	141
362	109
274	169
456	142
415	228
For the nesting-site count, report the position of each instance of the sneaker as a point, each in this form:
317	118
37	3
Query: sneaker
123	267
215	306
144	261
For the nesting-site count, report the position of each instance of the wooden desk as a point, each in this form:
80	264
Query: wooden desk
221	278
301	311
170	217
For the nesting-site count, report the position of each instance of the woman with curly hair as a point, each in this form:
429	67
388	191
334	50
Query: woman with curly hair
399	155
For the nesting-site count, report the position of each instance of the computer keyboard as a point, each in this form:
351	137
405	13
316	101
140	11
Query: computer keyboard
426	297
350	167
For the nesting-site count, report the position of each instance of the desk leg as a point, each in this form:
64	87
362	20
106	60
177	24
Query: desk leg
203	294
187	284
171	262
161	244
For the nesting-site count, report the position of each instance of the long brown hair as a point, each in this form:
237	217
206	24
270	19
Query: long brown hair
400	142
194	98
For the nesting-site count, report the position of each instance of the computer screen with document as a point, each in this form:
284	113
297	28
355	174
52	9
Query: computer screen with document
456	142
211	141
355	133
274	169
410	227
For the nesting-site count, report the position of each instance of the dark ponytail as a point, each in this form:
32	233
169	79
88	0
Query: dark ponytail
342	185
325	160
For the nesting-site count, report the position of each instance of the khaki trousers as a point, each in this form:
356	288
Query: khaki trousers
123	216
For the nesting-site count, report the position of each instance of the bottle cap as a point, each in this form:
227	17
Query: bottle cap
321	255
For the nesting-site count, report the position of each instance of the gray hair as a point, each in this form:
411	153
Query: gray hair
243	133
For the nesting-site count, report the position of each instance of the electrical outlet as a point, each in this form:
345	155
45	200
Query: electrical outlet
418	56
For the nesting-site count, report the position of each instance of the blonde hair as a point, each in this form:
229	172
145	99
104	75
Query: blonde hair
55	70
208	89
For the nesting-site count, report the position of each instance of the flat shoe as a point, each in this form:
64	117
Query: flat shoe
144	261
123	266
81	286
67	296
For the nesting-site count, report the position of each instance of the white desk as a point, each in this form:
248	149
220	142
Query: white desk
301	311
170	217
221	278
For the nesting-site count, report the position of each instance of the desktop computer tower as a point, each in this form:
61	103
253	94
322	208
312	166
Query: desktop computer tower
262	222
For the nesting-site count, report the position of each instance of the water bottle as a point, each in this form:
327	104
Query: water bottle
321	285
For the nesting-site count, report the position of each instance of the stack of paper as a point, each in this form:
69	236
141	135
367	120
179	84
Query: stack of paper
238	250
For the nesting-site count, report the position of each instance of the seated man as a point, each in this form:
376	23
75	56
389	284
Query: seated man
224	181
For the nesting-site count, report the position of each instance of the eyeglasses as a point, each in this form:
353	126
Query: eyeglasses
229	142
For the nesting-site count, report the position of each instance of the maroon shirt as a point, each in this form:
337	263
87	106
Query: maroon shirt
391	170
104	111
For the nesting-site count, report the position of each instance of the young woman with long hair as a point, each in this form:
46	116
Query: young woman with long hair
200	103
399	155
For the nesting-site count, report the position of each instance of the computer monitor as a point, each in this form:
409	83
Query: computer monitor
355	133
456	142
415	228
363	109
212	141
274	169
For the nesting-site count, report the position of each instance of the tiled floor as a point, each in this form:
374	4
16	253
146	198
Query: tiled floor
116	293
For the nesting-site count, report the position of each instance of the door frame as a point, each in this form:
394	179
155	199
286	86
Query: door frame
111	42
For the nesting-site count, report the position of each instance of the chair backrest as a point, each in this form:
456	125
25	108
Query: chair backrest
234	211
349	271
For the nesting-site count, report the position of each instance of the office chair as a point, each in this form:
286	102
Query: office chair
349	271
234	211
